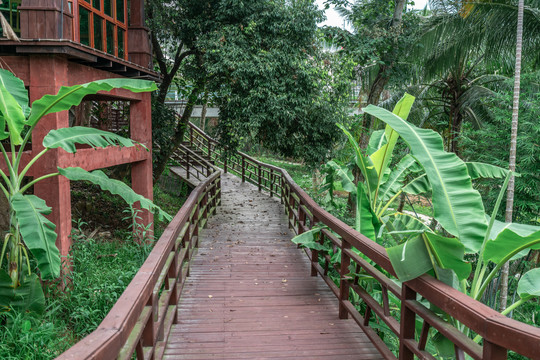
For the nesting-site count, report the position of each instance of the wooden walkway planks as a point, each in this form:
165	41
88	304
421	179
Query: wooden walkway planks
250	294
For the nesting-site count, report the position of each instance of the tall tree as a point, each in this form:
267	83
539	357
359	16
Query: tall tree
379	39
513	145
259	61
272	83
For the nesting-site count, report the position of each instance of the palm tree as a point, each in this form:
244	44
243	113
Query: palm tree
513	143
464	52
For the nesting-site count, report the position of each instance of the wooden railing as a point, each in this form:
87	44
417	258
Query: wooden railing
194	165
140	321
264	176
401	307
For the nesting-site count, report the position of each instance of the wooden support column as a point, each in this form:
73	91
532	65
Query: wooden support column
141	131
139	49
47	74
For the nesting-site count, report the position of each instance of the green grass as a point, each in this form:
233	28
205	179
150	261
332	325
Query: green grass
102	269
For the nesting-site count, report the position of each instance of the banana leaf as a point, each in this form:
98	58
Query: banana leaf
418	185
457	206
376	141
308	239
115	187
7	294
404	221
486	171
29	296
16	88
364	164
395	181
410	259
507	244
520	229
449	253
366	221
69	96
12	94
38	233
381	158
345	175
529	284
66	138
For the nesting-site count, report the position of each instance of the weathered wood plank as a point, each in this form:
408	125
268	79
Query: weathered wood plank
250	294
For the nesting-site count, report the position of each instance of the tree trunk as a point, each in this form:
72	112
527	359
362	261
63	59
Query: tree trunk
203	116
164	87
373	99
455	126
179	133
513	142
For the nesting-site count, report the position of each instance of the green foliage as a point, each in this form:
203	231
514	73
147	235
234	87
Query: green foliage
273	85
29	228
164	120
66	138
38	233
457	206
491	143
115	187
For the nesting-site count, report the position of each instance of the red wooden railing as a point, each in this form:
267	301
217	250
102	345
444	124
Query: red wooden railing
499	333
140	321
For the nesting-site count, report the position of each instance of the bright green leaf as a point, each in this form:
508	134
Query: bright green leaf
457	206
508	243
449	253
29	296
11	111
363	162
38	233
410	259
308	239
6	291
376	140
72	95
115	187
529	284
365	219
485	171
66	138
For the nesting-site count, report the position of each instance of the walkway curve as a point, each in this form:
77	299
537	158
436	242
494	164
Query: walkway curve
250	294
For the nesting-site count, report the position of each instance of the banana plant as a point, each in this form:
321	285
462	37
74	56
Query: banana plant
459	209
32	236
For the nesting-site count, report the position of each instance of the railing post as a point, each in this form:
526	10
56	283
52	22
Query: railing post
191	136
271	182
243	169
205	206
408	323
315	253
187	164
282	189
209	150
225	165
301	219
492	351
259	176
291	209
343	281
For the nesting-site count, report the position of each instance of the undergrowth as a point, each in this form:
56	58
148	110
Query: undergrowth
103	264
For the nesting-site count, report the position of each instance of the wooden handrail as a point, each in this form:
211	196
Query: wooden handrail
141	319
499	333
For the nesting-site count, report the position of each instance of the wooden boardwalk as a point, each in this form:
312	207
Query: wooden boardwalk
250	294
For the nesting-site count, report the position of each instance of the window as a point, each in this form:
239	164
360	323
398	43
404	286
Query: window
9	9
102	25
